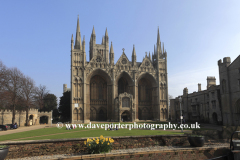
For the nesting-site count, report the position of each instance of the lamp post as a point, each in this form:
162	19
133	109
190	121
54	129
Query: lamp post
180	100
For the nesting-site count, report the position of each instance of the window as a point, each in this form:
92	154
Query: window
238	70
213	95
207	96
214	104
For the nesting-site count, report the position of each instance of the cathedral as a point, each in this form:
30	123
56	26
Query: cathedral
102	90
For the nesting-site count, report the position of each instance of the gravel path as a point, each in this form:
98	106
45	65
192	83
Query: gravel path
156	148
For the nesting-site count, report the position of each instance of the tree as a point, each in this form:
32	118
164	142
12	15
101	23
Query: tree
12	87
28	93
50	102
64	106
41	92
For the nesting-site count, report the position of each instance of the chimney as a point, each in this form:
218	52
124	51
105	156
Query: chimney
199	87
211	81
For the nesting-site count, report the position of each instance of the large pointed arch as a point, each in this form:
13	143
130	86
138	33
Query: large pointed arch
149	77
124	83
101	73
98	89
146	91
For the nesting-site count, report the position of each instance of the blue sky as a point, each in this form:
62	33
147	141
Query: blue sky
35	36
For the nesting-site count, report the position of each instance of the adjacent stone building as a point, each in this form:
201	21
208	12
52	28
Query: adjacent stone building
128	90
219	104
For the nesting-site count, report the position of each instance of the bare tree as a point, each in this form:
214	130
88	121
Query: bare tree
28	93
12	88
41	92
3	71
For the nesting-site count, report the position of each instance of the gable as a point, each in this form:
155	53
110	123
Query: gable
123	60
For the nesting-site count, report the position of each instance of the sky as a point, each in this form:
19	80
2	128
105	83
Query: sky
35	36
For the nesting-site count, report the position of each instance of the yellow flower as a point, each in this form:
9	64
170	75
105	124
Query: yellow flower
106	139
97	142
102	142
93	138
89	144
85	142
108	143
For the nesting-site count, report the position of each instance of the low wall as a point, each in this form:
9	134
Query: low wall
202	153
22	149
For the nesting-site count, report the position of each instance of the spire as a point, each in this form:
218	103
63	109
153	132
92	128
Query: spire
78	36
134	52
111	55
163	48
149	56
93	31
72	42
83	44
111	49
134	57
106	33
158	37
103	40
154	48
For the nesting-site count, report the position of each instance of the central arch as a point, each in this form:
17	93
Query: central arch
124	83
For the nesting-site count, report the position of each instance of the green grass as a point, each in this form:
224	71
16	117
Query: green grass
79	133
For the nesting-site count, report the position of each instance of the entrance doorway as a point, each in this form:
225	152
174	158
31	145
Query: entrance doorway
126	116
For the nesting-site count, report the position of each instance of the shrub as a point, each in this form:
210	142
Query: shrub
99	145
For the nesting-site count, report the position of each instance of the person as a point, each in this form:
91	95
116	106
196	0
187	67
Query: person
116	127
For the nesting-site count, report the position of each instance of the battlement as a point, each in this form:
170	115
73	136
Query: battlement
226	61
45	112
211	78
8	111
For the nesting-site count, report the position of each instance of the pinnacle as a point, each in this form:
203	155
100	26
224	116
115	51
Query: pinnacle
111	49
93	31
106	33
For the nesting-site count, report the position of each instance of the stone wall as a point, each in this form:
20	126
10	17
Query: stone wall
20	117
176	154
71	146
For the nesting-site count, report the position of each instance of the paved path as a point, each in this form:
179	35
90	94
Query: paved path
23	129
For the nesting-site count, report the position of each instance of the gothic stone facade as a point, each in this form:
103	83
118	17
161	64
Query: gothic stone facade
127	90
219	103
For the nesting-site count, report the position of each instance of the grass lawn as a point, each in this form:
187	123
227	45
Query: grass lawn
55	133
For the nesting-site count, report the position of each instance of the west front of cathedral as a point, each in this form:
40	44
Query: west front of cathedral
125	91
